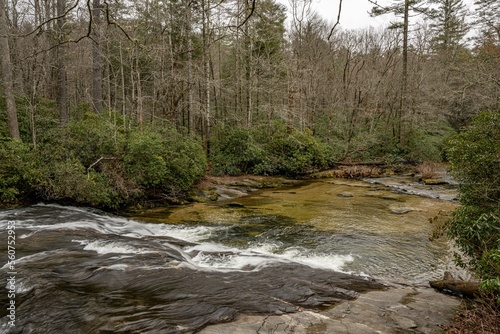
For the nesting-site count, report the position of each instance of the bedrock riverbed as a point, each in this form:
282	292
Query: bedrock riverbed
319	257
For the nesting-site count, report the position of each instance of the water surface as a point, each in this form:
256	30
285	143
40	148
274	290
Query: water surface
176	270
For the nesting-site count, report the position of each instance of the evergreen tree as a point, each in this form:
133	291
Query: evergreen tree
488	14
448	24
404	8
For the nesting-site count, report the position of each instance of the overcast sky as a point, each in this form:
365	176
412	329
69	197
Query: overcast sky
354	12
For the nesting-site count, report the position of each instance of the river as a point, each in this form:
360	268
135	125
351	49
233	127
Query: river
179	269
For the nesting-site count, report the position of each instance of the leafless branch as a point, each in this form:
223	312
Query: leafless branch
40	26
252	9
338	20
113	22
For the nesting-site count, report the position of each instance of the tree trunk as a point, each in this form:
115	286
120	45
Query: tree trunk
140	109
122	77
248	70
6	70
62	97
206	60
190	69
404	84
96	58
456	287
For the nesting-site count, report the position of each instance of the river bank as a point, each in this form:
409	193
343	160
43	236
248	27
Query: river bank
400	308
302	252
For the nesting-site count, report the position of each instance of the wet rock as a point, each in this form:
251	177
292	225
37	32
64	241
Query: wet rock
203	196
434	182
225	192
389	311
403	322
235	205
443	188
400	211
174	298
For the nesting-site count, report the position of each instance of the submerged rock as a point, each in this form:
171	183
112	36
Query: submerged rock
401	211
235	205
434	182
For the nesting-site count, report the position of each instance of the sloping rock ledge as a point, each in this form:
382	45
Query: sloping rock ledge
396	310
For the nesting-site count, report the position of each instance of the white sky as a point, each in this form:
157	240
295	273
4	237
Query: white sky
354	12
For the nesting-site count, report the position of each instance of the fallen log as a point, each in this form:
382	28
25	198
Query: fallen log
367	163
456	287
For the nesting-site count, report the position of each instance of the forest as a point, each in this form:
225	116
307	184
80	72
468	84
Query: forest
116	103
112	102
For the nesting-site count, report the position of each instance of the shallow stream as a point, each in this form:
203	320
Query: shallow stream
175	270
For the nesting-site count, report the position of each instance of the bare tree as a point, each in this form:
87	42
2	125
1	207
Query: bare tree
62	97
6	70
205	4
190	82
402	7
97	97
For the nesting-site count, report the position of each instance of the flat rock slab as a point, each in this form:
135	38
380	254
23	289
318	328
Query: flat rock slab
396	310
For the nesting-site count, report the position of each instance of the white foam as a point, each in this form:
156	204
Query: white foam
182	232
309	258
203	255
118	266
211	247
106	247
22	287
219	257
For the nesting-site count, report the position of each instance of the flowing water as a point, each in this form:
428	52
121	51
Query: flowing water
175	270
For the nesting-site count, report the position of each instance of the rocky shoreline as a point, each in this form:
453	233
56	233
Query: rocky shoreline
399	309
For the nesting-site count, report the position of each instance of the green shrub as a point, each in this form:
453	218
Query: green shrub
475	158
475	230
269	151
70	181
45	112
291	152
91	138
165	161
474	155
428	142
144	159
235	152
14	156
67	164
367	142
